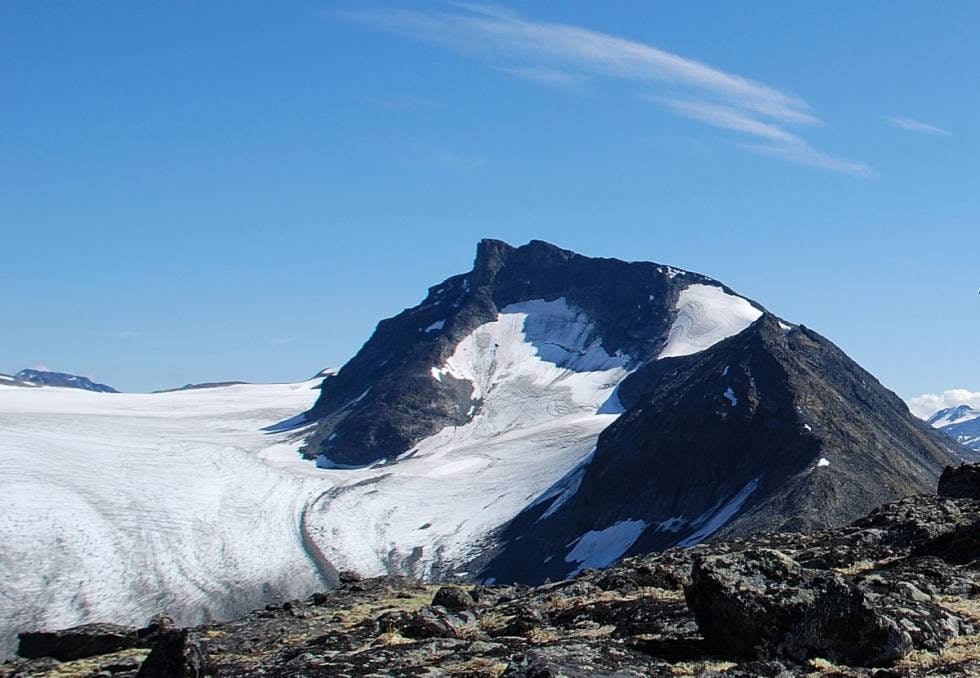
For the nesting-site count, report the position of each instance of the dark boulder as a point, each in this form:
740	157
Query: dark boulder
961	546
453	598
844	626
176	654
77	642
763	603
960	481
745	602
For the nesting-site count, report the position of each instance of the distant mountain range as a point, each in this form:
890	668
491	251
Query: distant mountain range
962	423
59	379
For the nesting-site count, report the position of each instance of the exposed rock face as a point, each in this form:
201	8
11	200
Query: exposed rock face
960	481
774	428
862	597
77	642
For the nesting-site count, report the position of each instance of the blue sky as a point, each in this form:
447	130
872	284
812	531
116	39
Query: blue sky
240	190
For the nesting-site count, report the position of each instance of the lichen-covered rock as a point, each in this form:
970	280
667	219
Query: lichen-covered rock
747	602
844	626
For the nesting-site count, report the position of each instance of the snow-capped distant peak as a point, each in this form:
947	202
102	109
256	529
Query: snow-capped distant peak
953	415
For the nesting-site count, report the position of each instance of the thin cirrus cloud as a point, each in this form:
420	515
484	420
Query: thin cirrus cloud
911	125
553	53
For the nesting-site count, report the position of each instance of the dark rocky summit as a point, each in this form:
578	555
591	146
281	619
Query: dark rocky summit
384	400
880	597
63	380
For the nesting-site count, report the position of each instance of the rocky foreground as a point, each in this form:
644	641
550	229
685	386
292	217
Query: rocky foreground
894	594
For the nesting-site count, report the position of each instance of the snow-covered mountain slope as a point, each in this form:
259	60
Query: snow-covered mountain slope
117	507
962	423
543	387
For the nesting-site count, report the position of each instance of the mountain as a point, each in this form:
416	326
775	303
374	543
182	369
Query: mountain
207	384
526	315
60	379
962	423
641	404
680	409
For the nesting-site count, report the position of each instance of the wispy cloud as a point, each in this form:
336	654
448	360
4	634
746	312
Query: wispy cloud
917	126
926	405
128	334
726	117
776	142
281	341
40	367
802	153
552	53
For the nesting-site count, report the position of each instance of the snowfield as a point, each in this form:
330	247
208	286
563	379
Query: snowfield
706	314
116	507
120	506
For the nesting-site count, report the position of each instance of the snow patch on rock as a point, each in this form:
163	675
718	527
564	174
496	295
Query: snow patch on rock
601	548
706	314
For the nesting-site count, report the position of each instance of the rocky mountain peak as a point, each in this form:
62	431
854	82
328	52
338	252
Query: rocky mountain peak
397	390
